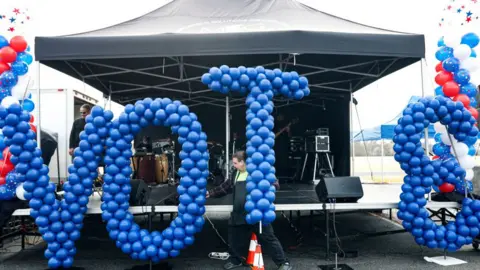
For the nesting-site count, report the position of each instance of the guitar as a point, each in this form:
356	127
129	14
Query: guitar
285	128
293	122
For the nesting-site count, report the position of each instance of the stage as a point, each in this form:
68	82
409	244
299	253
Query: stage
290	197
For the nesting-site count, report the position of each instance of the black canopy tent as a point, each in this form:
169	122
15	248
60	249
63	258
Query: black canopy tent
165	52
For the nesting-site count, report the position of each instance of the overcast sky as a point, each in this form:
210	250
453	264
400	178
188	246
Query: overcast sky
388	96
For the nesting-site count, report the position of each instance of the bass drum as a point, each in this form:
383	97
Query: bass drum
161	169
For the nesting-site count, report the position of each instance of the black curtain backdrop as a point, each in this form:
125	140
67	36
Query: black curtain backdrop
334	115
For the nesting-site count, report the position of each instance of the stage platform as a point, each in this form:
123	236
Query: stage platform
290	197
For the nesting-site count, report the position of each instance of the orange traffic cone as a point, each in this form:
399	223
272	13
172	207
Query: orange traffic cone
258	261
252	249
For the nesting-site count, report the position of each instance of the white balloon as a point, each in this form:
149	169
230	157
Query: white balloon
452	39
469	174
20	90
445	139
471	64
460	149
467	162
439	128
7	101
462	52
20	192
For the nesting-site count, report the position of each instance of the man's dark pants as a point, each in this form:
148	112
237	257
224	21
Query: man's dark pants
239	240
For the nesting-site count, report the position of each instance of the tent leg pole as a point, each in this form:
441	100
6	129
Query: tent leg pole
39	119
110	98
227	137
383	155
427	151
352	150
423	95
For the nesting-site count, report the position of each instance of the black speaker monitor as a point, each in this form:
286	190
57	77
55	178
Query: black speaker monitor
140	193
342	189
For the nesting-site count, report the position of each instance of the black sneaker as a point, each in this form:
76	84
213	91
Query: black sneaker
230	265
285	266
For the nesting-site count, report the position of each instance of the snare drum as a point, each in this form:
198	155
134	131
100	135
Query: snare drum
161	168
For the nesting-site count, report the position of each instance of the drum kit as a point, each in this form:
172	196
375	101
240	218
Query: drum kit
156	167
217	164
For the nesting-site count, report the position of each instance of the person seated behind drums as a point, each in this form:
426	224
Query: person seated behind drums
145	145
239	231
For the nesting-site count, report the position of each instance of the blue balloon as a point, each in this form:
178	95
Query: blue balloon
473	102
469	89
451	64
470	39
20	68
473	54
25	57
462	76
8	79
439	91
444	53
440	42
3	42
4	91
28	105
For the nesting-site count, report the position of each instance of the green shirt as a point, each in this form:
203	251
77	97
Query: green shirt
241	176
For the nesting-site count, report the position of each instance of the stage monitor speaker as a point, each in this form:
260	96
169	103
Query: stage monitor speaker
322	144
341	189
140	193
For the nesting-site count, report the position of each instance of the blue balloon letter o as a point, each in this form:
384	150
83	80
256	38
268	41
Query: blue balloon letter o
139	243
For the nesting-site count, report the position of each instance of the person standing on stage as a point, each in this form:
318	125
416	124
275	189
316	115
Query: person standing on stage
77	127
239	231
282	144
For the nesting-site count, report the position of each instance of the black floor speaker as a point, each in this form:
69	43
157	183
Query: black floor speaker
140	193
341	189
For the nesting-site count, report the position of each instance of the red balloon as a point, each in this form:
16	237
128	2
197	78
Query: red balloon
4	67
446	188
6	155
33	127
7	55
435	157
443	77
32	119
462	98
439	67
474	112
451	89
5	168
18	43
3	180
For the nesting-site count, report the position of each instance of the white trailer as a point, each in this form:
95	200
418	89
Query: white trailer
58	110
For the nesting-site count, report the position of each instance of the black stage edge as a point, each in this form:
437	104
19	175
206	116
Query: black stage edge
71	268
335	267
158	266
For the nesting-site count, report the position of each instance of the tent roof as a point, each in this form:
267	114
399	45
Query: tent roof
179	41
